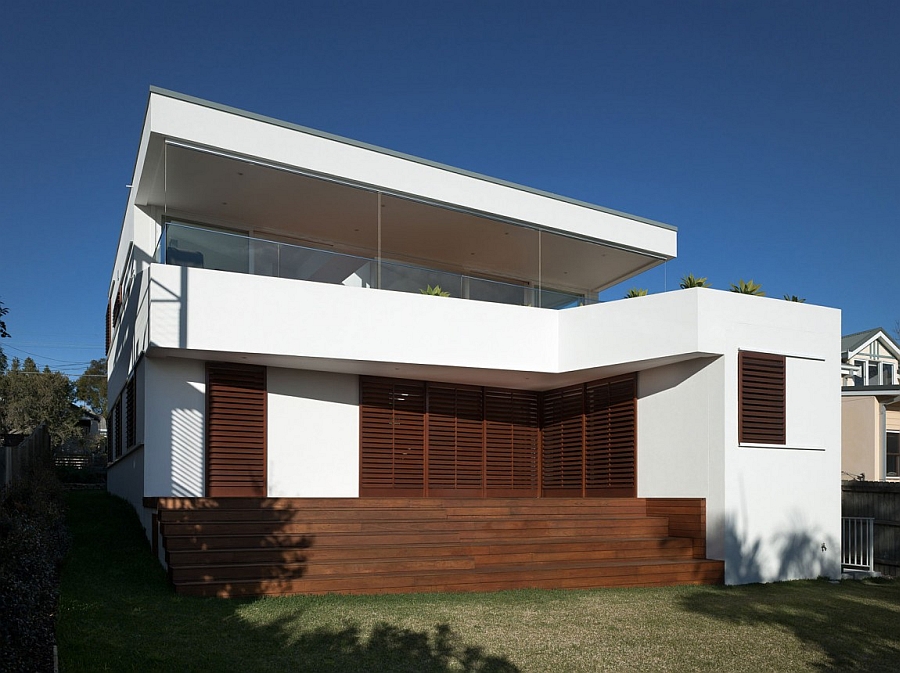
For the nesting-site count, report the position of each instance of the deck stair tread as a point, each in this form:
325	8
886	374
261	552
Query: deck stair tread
259	546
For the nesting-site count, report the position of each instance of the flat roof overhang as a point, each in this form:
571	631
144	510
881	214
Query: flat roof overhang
214	165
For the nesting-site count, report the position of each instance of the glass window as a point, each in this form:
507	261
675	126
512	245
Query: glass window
871	373
887	374
859	378
892	454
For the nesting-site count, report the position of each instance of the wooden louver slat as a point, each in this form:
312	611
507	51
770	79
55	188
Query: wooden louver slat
511	442
455	440
236	430
610	437
563	441
392	437
761	398
130	413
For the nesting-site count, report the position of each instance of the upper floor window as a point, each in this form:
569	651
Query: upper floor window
887	374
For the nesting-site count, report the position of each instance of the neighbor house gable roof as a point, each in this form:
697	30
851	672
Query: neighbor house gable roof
852	344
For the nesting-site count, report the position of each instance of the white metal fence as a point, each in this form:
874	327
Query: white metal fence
857	543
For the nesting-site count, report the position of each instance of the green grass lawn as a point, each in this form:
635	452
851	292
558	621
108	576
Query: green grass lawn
118	614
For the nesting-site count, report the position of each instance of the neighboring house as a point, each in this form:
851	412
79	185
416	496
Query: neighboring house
270	335
870	406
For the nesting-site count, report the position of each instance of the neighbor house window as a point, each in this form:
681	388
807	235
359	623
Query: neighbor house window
892	454
761	398
887	374
871	373
859	378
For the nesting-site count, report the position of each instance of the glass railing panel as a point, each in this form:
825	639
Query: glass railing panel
499	293
558	300
187	245
404	278
206	249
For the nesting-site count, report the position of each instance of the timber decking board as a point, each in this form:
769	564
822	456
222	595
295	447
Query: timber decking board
261	546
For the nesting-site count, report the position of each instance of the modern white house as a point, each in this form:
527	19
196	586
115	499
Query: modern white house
277	340
870	406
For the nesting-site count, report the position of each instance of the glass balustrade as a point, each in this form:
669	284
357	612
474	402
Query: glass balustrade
192	246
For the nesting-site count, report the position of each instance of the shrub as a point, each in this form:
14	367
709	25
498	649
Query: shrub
33	542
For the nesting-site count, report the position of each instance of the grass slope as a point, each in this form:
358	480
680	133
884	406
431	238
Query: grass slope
118	614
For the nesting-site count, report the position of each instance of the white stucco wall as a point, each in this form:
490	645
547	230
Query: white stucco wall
312	434
174	408
125	478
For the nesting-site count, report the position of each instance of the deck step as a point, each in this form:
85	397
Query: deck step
270	546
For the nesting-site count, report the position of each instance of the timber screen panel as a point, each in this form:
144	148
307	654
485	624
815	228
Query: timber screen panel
392	437
761	398
438	439
236	430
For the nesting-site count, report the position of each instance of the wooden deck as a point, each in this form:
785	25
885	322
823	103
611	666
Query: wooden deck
251	546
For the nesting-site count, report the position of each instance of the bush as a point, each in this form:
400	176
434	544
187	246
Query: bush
33	542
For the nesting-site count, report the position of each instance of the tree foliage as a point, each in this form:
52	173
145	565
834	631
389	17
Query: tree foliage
29	397
90	388
690	280
793	297
747	287
636	292
3	311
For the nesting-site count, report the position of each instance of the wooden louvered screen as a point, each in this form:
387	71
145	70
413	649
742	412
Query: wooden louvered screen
235	430
114	432
610	438
761	398
440	439
511	442
563	442
455	440
117	308
130	413
392	437
108	325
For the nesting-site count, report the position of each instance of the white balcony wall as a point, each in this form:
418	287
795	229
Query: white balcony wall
214	311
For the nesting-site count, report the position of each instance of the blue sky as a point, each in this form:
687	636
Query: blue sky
767	132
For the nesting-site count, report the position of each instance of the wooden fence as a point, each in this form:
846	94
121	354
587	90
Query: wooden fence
881	501
17	461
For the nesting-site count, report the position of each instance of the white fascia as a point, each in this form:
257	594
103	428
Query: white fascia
211	126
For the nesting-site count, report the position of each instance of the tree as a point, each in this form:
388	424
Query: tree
793	297
636	292
689	281
3	335
748	287
31	397
90	388
3	311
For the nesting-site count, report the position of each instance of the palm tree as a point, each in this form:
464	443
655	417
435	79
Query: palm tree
748	287
636	292
690	281
793	297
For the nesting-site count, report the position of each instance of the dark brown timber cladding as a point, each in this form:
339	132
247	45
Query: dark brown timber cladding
236	430
761	395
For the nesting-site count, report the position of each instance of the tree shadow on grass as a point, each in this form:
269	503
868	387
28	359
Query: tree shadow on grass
117	612
855	624
387	648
